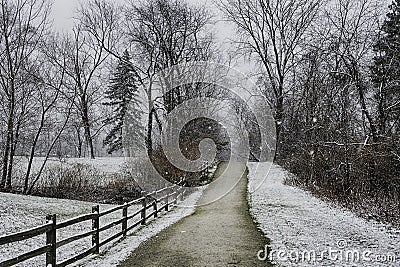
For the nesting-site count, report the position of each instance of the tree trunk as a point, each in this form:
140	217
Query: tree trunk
32	154
372	126
86	126
89	139
279	119
78	136
381	111
149	138
10	163
10	134
14	143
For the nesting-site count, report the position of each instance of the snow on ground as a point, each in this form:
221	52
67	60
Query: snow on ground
106	165
306	231
18	213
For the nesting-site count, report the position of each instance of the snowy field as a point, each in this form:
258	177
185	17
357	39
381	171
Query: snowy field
106	165
103	166
19	213
306	231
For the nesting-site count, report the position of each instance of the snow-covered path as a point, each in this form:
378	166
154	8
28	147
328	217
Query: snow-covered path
306	231
221	233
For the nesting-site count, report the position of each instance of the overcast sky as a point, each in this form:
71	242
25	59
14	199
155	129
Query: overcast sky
62	12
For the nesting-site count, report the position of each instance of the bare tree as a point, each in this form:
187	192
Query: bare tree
273	31
84	58
164	33
23	24
96	34
352	29
87	58
53	106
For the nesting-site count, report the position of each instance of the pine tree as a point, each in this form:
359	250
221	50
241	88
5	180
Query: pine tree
386	68
387	62
123	97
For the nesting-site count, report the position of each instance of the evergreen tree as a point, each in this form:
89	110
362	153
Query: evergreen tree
386	69
387	62
123	97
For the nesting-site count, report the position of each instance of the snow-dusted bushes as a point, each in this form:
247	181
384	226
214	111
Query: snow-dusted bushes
86	182
363	178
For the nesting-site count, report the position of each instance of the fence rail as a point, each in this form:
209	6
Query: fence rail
168	196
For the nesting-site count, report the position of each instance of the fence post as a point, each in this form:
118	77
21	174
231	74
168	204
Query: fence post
155	208
143	210
176	192
125	219
167	200
51	239
96	226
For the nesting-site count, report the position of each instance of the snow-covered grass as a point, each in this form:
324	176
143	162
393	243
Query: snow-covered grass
18	212
104	166
306	231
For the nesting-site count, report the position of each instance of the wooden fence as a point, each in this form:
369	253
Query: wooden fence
151	205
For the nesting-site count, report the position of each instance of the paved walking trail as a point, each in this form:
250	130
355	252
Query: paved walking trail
219	234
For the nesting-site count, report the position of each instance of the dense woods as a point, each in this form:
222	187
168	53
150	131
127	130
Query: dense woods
328	69
331	74
343	139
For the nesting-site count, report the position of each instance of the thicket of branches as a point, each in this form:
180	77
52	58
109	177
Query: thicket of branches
330	70
76	94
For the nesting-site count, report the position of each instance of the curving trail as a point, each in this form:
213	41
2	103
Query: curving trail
219	234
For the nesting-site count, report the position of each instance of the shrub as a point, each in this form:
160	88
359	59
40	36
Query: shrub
84	182
365	179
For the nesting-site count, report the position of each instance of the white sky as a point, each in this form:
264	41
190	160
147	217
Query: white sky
62	13
63	10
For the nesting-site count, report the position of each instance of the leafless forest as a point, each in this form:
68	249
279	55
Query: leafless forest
329	70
